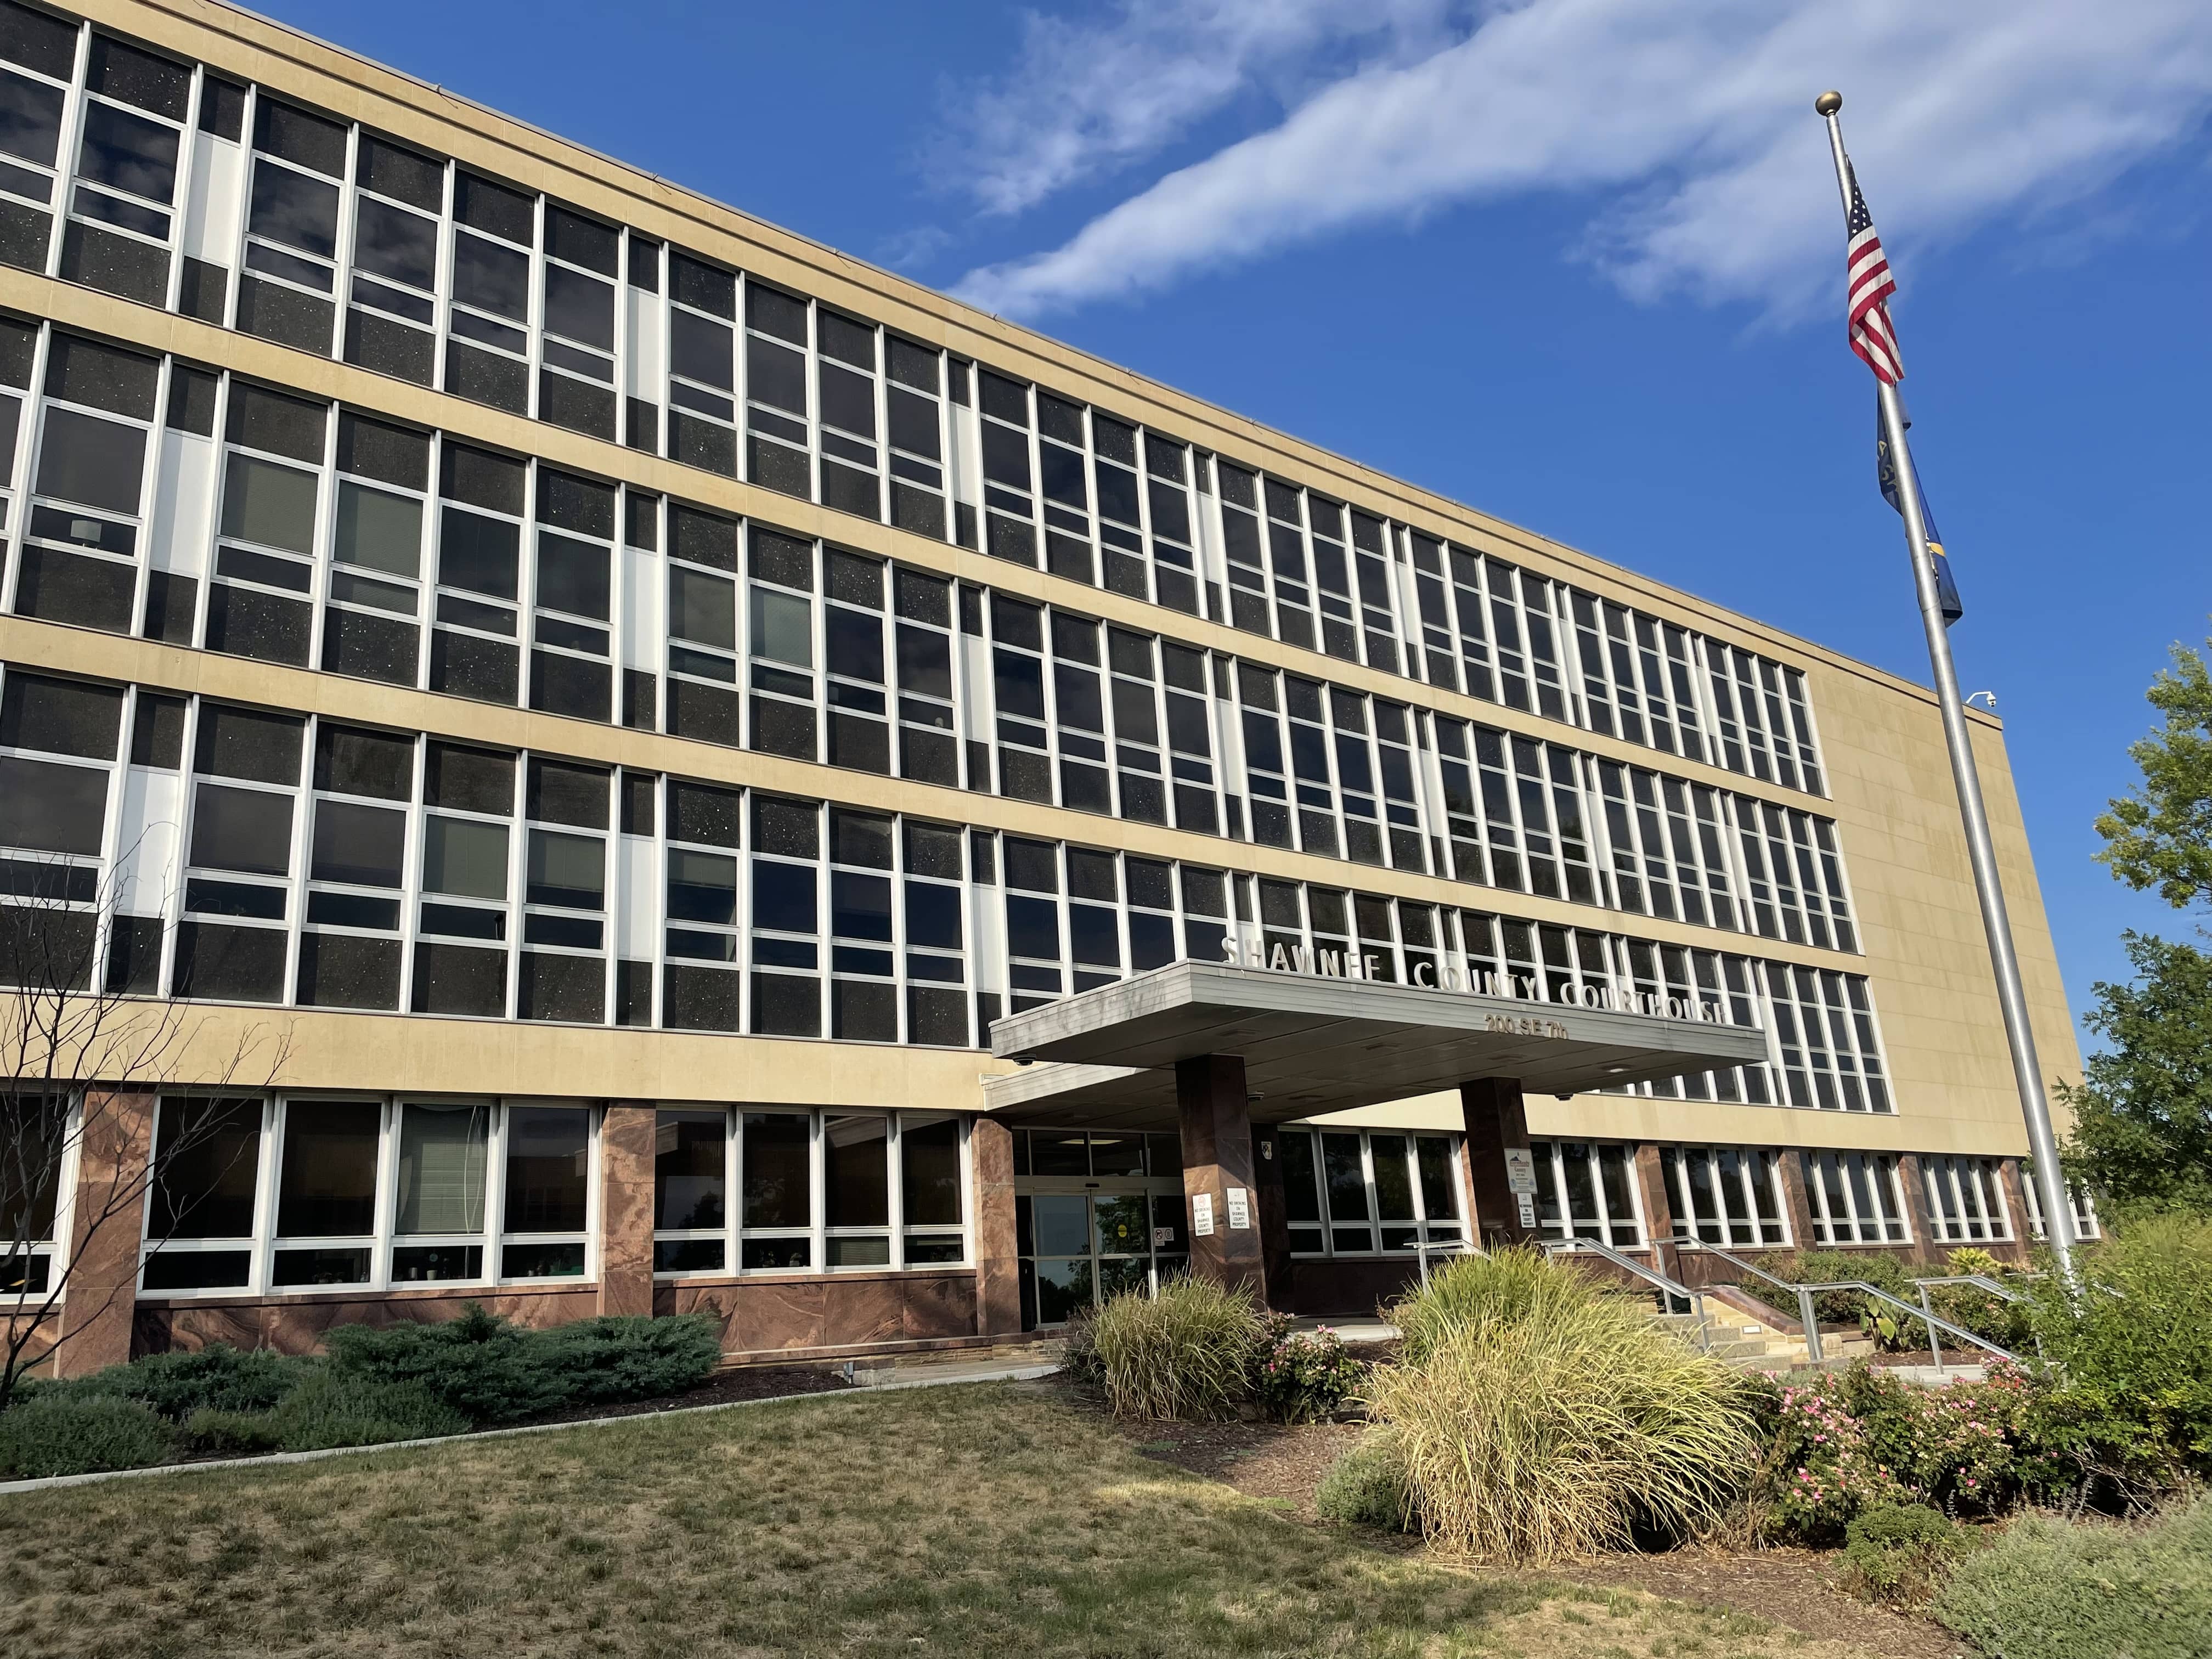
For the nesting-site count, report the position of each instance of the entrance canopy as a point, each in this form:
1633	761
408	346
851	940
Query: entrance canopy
1313	1044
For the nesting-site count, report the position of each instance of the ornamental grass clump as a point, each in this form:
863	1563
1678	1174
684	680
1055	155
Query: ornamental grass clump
1505	1286
1184	1355
1558	1424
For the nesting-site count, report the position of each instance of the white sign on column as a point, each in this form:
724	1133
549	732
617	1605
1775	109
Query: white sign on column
1201	1215
1240	1210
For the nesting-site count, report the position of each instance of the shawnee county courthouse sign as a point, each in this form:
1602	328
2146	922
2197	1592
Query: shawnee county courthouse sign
1520	988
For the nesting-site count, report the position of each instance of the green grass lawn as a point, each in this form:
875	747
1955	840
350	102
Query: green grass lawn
985	1520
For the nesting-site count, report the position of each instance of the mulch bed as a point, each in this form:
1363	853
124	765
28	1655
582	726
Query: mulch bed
745	1382
1282	1465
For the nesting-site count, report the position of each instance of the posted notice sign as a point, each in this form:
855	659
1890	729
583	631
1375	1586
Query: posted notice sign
1520	1170
1201	1214
1240	1209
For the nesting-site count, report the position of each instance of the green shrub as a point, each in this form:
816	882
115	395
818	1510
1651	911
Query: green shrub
233	1434
1504	1286
1366	1487
337	1409
80	1434
1559	1423
217	1378
2130	1358
1300	1377
1900	1553
634	1359
1181	1355
492	1371
482	1366
1891	1327
2049	1589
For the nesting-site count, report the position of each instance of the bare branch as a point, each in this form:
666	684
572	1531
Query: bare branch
85	1067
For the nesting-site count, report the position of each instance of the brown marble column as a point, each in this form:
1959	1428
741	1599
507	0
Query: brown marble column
2011	1175
1213	1103
1796	1204
94	1329
627	1147
1658	1200
998	1253
1497	1122
1925	1247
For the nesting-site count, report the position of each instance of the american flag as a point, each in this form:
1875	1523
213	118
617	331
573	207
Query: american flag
1867	269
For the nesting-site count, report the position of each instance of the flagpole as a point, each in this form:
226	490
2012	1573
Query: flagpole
2012	997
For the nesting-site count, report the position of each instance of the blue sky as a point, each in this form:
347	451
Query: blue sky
1576	263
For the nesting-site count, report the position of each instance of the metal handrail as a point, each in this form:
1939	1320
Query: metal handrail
1426	1248
1982	1281
1806	1321
1811	1326
1934	1321
1671	1289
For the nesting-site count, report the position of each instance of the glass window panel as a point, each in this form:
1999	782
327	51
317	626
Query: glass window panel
359	844
1439	1183
783	628
567	870
1063	1224
689	1170
856	1178
129	152
1394	1181
1060	1152
929	1171
94	462
464	859
1582	1191
548	1169
208	1153
778	1180
243	829
327	1188
702	887
1346	1180
378	532
270	504
443	1162
34	1133
1122	1224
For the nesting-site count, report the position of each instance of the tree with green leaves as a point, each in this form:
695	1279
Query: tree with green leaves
2142	1132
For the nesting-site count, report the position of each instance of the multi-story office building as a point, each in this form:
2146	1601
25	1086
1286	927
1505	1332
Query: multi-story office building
629	696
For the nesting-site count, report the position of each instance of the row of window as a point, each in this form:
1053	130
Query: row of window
255	856
1369	1192
295	1192
266	527
287	223
1732	1196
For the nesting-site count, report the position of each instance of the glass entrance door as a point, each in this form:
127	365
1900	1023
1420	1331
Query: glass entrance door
1079	1248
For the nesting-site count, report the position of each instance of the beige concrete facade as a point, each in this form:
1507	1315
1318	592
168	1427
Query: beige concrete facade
1888	786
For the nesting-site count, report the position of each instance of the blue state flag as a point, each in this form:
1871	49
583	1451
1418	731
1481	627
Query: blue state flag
1885	465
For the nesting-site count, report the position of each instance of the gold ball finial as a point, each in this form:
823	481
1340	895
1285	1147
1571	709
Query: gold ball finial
1828	103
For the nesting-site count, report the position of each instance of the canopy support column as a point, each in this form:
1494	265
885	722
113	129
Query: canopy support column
1497	1123
1219	1183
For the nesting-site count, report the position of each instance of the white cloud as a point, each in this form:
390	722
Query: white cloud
1084	98
1691	124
